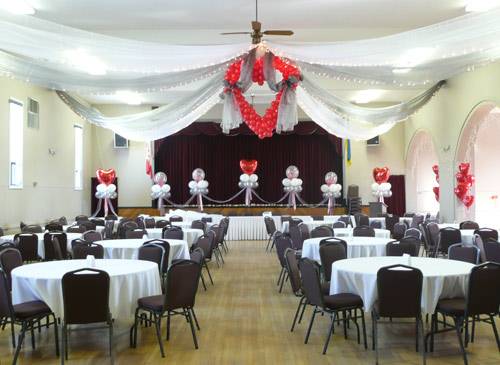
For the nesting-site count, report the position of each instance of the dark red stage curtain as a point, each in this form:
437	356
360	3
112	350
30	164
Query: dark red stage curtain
397	202
203	145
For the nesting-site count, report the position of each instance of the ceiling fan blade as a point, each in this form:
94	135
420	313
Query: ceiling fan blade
256	26
226	33
278	32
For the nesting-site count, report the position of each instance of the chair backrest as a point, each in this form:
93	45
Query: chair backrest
346	219
311	282
447	237
63	221
81	251
7	244
10	258
390	221
294	221
56	249
140	222
219	233
6	308
492	251
322	231
198	224
433	229
152	252
292	267
166	252
361	219
363	231
425	236
76	229
197	255
82	218
86	296
52	227
48	245
296	237
205	242
149	222
413	232
27	243
487	234
136	233
88	225
282	242
285	218
109	225
111	217
398	230
399	291
464	253
92	236
270	225
224	223
127	226
98	221
468	225
182	284
32	228
331	250
483	295
376	224
78	241
206	219
176	218
173	233
339	224
161	223
416	220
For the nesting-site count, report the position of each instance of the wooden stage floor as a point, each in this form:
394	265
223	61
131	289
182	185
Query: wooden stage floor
244	320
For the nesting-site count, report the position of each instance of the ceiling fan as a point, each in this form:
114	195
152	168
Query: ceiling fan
256	33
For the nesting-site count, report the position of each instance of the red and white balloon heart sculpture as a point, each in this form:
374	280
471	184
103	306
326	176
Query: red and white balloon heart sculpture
160	190
105	190
464	184
198	186
435	189
331	190
381	188
292	184
248	180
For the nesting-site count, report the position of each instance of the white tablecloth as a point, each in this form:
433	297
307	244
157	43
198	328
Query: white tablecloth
356	247
311	224
190	234
129	281
129	249
441	278
41	247
348	232
248	228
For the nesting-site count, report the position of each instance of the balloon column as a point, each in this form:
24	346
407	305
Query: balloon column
248	180
435	189
198	186
160	190
331	190
105	190
464	184
292	184
381	188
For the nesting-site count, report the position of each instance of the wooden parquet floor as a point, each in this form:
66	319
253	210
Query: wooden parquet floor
244	320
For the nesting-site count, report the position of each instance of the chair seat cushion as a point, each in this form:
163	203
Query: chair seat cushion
343	300
154	302
455	306
31	309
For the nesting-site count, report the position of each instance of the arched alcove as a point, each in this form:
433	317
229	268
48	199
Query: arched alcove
479	144
420	178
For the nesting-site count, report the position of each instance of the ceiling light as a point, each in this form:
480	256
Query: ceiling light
480	5
18	7
80	59
414	57
368	95
129	97
401	70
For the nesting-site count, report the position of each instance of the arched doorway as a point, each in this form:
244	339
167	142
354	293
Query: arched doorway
420	178
479	145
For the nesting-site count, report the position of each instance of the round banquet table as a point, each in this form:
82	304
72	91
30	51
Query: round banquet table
347	232
356	247
41	247
190	234
129	281
441	278
311	224
128	249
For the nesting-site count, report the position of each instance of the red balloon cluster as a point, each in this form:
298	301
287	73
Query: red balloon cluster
258	71
262	126
248	166
435	189
106	177
464	183
381	174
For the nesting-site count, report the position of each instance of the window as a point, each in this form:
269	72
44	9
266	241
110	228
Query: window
78	131
16	113
120	142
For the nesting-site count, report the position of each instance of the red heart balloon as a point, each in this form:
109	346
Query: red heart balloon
461	191
464	168
248	166
435	168
381	174
468	200
435	189
106	177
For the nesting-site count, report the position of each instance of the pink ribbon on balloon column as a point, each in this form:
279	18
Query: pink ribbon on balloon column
248	196
106	202
200	202
331	204
291	200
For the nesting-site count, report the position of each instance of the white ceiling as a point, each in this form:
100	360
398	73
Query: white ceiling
201	21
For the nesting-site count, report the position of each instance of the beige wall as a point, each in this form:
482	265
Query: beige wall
48	190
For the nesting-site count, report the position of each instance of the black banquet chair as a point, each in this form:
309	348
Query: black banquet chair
487	234
86	301
270	230
182	284
282	242
80	251
322	231
363	231
447	237
461	252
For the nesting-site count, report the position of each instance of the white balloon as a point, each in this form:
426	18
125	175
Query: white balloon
101	187
338	188
112	188
244	177
286	182
324	188
155	188
192	184
299	181
331	188
254	178
375	186
385	186
203	184
165	188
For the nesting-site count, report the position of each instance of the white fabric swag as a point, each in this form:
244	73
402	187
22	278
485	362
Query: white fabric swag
81	62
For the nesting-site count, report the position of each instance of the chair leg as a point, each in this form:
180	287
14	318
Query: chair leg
375	338
303	310
56	334
63	343
473	331
168	325
195	319
364	328
310	324
268	243
279	277
133	329
329	335
422	336
19	343
495	331
208	272
285	276
297	313
13	334
31	324
157	320
458	327
203	281
193	332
